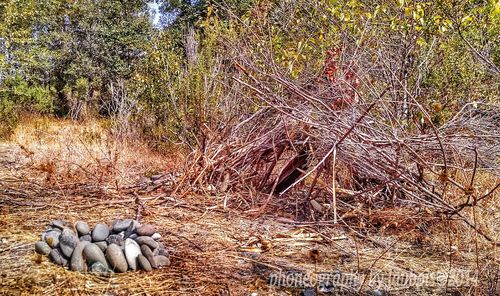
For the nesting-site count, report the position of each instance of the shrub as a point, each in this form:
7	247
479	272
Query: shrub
17	96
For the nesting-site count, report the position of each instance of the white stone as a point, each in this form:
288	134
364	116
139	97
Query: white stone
132	251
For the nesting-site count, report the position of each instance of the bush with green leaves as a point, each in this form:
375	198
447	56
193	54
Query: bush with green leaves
17	96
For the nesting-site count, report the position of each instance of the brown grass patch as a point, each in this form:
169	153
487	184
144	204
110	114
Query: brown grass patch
67	151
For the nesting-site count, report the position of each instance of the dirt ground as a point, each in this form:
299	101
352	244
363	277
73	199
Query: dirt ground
214	250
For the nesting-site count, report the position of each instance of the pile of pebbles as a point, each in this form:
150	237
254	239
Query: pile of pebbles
127	245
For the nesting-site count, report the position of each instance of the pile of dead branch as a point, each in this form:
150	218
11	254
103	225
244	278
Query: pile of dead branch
338	134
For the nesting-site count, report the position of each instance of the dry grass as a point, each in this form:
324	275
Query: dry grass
86	152
215	250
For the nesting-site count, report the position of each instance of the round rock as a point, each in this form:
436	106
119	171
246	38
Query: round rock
43	248
123	225
100	232
116	258
146	230
143	263
156	236
94	254
51	237
77	262
162	260
132	251
57	257
67	242
82	228
148	241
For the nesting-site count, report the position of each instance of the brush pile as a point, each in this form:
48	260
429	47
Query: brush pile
127	245
340	135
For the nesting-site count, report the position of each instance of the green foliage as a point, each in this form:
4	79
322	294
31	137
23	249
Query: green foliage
188	14
178	97
61	44
27	97
9	117
17	96
54	53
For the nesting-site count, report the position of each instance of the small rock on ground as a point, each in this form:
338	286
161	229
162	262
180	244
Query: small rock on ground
148	241
51	237
132	250
100	232
143	263
57	257
162	260
146	230
67	242
43	248
77	262
146	251
94	254
116	258
82	228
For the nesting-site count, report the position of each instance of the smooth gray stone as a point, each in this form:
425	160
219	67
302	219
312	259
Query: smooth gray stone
115	239
146	251
94	254
143	263
132	250
146	230
51	237
116	258
67	242
100	232
43	248
77	262
99	268
133	236
148	241
162	260
122	225
86	238
156	236
82	228
58	224
57	257
161	250
102	245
